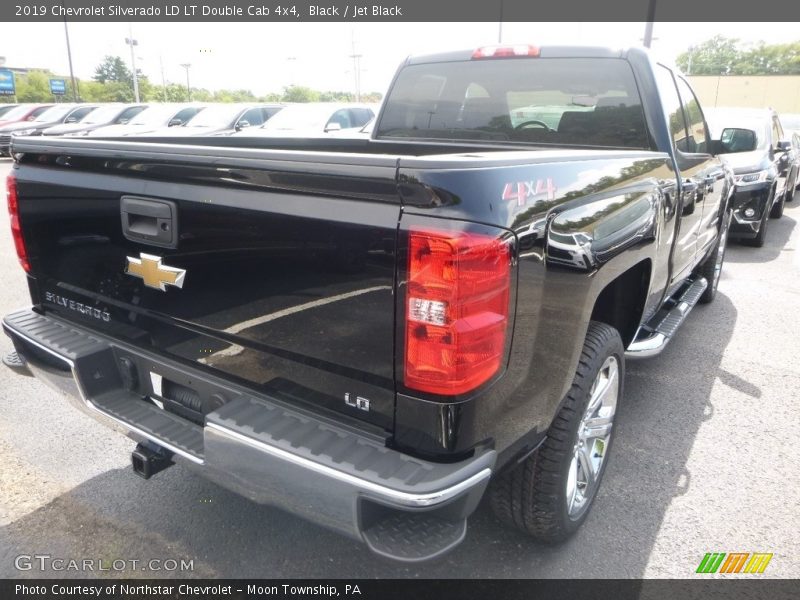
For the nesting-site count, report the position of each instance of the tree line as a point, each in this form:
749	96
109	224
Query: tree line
730	56
113	82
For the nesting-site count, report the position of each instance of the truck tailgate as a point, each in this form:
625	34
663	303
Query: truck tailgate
275	271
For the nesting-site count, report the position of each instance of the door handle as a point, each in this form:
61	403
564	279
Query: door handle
149	221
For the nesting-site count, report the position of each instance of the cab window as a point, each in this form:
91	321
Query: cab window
695	123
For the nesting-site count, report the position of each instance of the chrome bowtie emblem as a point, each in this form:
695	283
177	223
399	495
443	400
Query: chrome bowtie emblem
153	273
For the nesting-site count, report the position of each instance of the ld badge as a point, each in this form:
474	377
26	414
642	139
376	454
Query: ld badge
153	273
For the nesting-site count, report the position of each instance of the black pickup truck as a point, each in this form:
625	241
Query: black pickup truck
374	333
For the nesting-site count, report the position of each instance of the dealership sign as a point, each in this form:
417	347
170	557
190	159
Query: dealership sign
58	87
7	83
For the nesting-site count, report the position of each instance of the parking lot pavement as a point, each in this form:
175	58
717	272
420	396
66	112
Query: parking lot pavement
704	461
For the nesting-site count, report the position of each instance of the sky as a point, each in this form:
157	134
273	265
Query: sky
265	57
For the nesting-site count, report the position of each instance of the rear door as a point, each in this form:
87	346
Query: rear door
706	172
276	273
697	171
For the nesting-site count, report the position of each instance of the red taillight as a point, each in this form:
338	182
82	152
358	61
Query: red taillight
456	310
13	214
519	50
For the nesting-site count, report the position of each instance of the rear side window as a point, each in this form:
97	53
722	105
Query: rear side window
592	102
672	108
695	124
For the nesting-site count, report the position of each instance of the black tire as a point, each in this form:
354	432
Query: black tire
710	268
777	208
532	496
761	236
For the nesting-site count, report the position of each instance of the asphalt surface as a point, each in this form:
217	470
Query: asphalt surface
705	460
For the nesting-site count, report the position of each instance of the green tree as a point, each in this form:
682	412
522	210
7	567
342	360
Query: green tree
299	93
727	56
34	86
774	59
716	56
113	68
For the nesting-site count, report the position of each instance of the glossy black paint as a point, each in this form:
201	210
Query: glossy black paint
286	291
266	231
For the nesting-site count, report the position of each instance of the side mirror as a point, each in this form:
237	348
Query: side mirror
123	121
242	125
175	122
332	127
71	120
783	146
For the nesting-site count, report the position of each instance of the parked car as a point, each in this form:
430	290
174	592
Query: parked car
790	122
152	118
109	114
4	108
791	125
793	167
223	119
376	333
55	115
314	119
23	112
753	143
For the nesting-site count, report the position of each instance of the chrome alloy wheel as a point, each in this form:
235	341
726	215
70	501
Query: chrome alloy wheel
594	435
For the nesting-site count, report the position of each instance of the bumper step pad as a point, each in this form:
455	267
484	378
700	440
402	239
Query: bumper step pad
413	537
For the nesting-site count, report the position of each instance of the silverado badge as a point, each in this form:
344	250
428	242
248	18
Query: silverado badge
153	273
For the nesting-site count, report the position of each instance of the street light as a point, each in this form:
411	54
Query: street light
132	42
188	89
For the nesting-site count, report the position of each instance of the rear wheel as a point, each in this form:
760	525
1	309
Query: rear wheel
777	208
548	495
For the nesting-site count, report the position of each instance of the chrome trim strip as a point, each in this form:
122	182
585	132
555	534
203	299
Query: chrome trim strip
404	498
92	407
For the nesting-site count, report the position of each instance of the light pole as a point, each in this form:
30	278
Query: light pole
356	65
357	71
163	79
188	89
132	42
69	58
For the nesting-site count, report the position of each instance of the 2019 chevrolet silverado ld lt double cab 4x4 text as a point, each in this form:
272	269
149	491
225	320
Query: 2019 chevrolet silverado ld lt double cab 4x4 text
374	333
